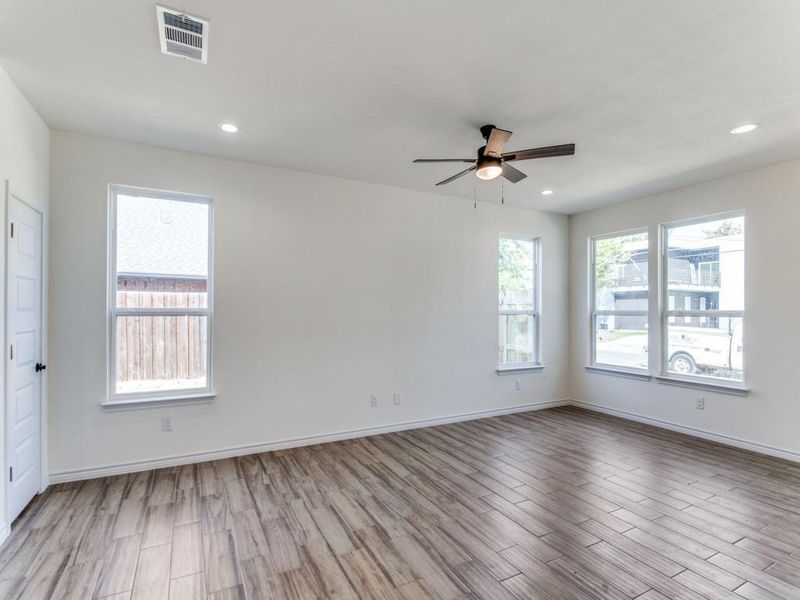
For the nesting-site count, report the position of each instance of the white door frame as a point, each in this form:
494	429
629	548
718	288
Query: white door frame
10	192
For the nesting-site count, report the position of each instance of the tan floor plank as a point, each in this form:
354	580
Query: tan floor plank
667	586
760	578
187	551
119	567
78	581
158	525
190	587
44	576
627	583
221	565
152	573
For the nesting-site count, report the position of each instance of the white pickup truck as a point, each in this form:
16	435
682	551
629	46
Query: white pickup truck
705	350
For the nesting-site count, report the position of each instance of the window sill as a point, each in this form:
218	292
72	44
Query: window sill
639	375
723	388
520	369
203	397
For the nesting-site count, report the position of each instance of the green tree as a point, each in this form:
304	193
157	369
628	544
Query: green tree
608	254
514	267
724	229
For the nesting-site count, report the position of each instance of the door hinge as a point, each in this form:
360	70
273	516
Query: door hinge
12	230
11	473
12	352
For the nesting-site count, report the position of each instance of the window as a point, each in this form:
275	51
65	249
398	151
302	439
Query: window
704	271
160	295
518	302
619	300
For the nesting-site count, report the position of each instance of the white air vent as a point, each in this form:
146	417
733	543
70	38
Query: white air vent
182	35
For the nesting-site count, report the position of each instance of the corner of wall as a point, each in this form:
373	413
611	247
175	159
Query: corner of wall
570	385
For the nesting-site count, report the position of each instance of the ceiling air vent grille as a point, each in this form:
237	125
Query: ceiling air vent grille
182	35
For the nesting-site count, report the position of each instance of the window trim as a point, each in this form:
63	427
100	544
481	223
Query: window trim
737	387
592	364
535	311
190	395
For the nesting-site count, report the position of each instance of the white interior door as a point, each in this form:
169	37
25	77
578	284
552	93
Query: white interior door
24	354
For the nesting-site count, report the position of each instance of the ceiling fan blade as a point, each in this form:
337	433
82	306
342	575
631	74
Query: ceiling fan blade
497	140
438	160
512	174
545	152
457	175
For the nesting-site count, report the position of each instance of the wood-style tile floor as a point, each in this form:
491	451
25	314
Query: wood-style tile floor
560	503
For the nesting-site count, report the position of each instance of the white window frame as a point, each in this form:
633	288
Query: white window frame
666	313
594	312
193	394
534	311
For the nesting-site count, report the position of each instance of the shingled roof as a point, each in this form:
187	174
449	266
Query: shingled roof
164	237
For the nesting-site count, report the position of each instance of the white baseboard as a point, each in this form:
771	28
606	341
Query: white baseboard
693	431
184	459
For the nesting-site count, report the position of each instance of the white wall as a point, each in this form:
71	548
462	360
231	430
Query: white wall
770	415
327	290
24	158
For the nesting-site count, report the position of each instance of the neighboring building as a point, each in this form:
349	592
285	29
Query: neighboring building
628	290
697	271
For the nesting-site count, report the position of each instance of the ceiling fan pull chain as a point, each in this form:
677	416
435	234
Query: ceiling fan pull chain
475	197
502	193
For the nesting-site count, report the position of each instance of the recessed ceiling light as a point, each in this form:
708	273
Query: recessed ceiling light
228	127
746	128
547	192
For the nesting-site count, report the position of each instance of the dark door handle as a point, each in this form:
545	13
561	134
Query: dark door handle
40	367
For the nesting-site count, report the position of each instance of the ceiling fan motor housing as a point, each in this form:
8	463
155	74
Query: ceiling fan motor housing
488	167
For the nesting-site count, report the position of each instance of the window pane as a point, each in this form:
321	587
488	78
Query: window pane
515	274
705	265
620	272
516	339
621	341
162	252
161	353
708	346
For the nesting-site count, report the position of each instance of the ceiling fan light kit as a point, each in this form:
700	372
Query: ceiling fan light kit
488	167
492	162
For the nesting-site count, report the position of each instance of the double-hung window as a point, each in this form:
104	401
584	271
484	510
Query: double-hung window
619	300
160	295
518	302
703	285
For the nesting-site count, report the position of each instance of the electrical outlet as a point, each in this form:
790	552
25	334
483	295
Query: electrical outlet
397	398
518	385
166	424
700	403
373	400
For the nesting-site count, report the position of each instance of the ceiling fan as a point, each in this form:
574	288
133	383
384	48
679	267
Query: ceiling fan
493	162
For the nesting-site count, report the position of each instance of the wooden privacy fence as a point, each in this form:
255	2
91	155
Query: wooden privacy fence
168	348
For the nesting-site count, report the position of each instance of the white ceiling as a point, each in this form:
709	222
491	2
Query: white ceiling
647	89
